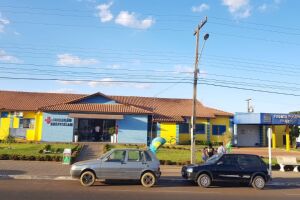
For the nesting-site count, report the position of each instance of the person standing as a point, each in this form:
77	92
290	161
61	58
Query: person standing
204	154
221	149
210	150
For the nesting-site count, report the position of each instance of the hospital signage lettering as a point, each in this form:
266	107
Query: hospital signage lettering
59	121
280	119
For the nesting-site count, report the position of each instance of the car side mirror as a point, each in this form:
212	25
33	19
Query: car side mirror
104	159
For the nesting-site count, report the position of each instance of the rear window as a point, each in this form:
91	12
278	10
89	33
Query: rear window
134	156
249	161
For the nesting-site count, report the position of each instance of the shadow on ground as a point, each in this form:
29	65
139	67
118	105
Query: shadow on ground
11	172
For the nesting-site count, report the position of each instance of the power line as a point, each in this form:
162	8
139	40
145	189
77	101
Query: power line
155	82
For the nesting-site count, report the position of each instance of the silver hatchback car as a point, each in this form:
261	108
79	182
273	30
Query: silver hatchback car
119	164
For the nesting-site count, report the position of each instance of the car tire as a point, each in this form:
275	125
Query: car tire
258	182
87	178
148	179
204	180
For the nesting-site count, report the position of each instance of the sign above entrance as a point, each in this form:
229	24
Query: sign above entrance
280	119
59	121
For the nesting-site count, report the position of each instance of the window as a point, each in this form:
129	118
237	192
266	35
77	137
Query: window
218	129
184	128
200	128
27	123
249	162
116	156
135	156
228	160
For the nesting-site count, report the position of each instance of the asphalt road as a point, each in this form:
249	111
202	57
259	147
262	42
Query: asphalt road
46	190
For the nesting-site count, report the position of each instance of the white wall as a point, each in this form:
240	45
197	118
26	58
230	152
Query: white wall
247	135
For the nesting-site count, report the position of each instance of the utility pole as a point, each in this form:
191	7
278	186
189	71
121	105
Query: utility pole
196	71
249	109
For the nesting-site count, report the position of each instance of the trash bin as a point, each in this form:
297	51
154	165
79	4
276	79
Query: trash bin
67	154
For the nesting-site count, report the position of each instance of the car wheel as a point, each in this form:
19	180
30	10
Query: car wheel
148	179
87	178
258	182
204	180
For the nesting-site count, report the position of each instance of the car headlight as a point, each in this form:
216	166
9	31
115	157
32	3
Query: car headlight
190	170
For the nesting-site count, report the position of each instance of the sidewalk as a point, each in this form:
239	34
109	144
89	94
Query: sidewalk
10	169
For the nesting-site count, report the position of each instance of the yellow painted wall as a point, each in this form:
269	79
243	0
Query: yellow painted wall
185	137
4	127
34	134
219	121
168	132
16	121
279	132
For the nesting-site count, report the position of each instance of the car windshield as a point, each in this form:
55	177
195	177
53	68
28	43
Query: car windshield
213	159
105	155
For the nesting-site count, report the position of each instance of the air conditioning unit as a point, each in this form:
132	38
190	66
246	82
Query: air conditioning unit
18	114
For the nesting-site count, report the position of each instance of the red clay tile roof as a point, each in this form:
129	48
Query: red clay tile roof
170	109
99	108
32	101
163	109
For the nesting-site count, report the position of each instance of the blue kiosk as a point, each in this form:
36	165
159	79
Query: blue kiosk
250	129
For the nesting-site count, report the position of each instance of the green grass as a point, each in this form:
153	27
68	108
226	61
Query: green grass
177	155
30	149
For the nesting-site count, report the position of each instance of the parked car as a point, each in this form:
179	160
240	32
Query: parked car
240	168
119	164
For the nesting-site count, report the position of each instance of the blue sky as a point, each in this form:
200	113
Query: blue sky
253	45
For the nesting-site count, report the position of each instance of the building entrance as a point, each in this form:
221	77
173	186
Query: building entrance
95	130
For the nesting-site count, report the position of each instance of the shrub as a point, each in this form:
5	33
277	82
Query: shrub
47	147
31	158
48	158
4	157
15	157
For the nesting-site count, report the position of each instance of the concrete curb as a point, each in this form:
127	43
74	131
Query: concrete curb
33	177
69	178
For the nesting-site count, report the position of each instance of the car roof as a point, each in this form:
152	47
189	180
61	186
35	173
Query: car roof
241	154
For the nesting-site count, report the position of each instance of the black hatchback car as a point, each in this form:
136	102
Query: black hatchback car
240	168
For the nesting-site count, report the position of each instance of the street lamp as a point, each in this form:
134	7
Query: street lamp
196	71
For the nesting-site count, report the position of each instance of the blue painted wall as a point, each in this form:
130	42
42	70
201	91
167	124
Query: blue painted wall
59	129
97	99
133	129
247	118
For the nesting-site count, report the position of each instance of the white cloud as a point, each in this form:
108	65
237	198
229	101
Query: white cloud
3	23
238	8
63	90
104	12
202	7
263	7
110	82
69	59
183	69
114	66
270	6
130	20
71	82
188	70
4	57
103	82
